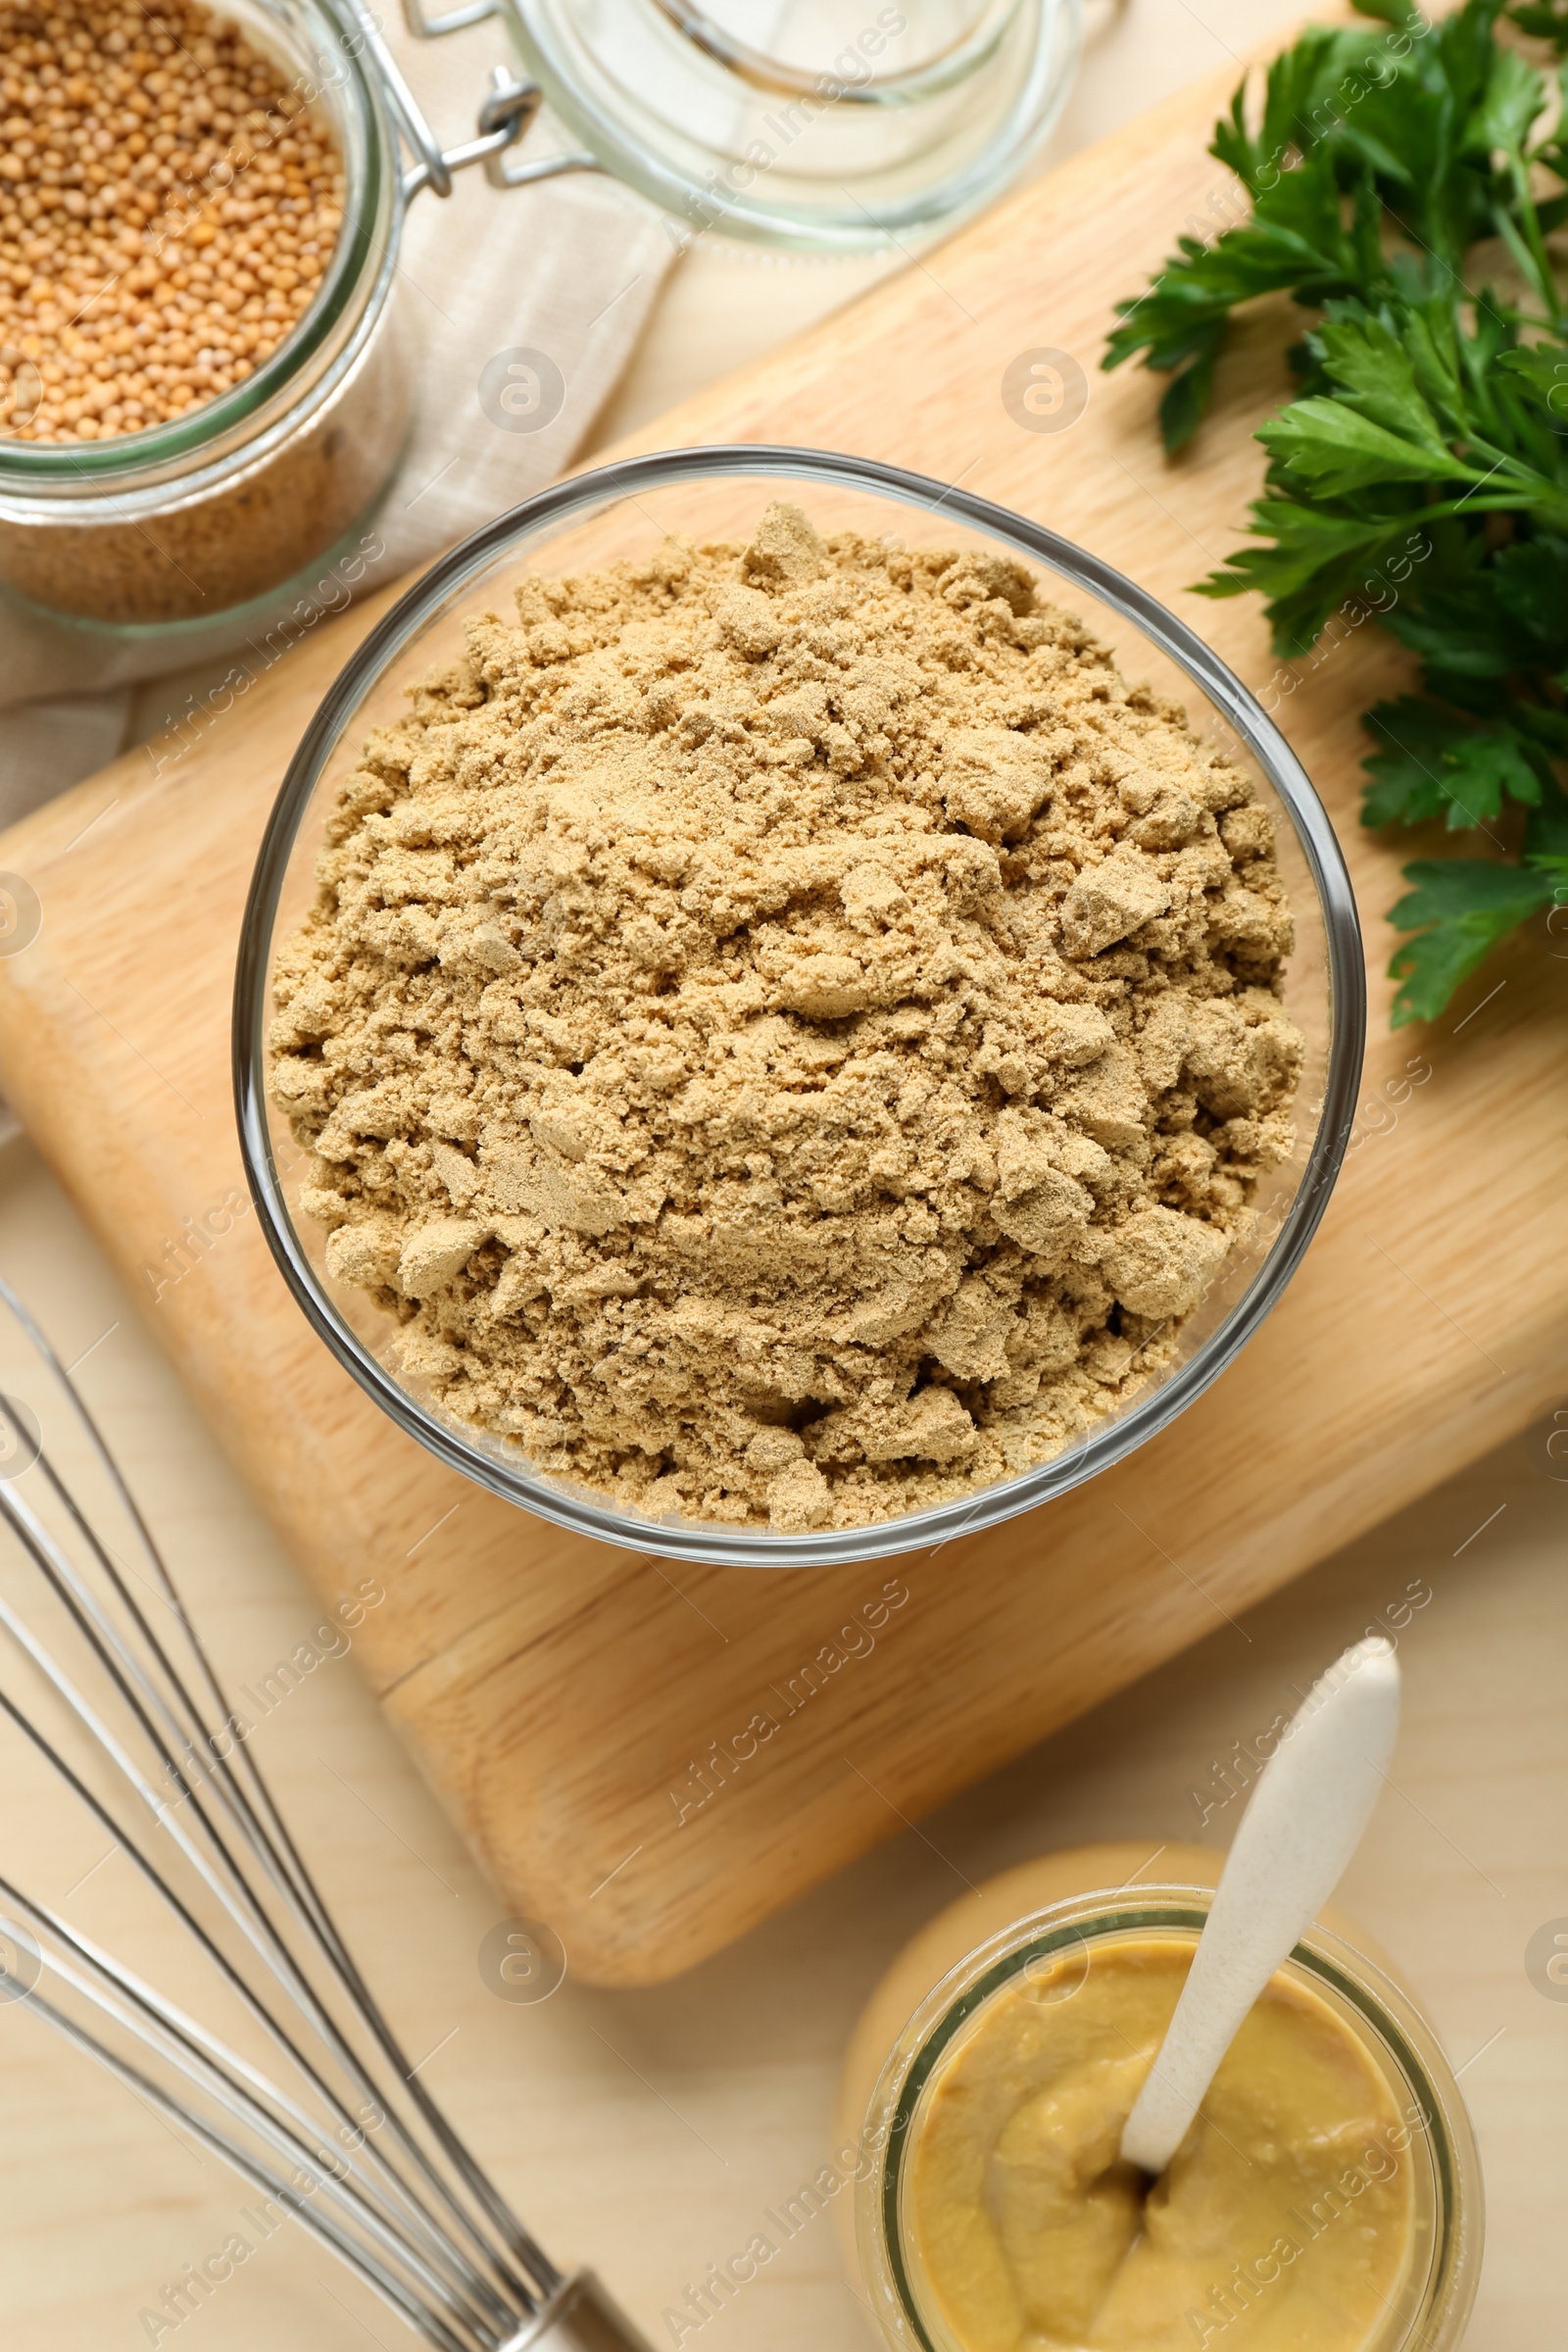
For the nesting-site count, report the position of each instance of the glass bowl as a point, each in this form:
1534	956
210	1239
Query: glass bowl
709	494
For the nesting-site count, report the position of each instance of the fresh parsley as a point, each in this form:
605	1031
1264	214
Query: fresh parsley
1403	186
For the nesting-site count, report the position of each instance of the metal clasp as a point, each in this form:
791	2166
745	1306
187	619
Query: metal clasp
503	116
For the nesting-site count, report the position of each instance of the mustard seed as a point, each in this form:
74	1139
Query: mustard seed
168	205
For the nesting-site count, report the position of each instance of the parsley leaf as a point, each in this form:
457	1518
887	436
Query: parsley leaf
1459	909
1419	476
1431	767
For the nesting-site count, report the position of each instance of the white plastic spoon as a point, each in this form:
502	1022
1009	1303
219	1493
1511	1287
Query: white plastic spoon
1302	1822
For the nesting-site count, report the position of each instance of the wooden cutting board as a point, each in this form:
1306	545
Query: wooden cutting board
563	1698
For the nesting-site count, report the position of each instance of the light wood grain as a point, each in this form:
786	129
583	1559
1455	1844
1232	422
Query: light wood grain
552	1691
648	2130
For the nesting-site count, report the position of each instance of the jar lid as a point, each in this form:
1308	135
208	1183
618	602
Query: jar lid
820	124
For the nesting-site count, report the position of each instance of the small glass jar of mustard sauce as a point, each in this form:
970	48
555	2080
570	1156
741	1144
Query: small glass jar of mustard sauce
1327	2198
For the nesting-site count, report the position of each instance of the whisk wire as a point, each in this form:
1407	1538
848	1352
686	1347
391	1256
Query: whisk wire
429	2323
297	1889
236	1897
359	2152
301	1893
222	2074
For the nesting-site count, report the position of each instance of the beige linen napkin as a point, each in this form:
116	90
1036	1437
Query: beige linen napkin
523	307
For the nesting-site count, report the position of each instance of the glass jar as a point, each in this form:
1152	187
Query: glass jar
187	520
1432	2304
846	125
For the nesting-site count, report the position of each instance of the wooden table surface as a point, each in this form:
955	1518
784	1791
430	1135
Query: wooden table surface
647	2131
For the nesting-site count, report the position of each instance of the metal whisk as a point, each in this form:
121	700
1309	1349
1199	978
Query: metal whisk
308	2095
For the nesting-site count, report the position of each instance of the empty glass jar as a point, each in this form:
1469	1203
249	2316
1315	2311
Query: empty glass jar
818	124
